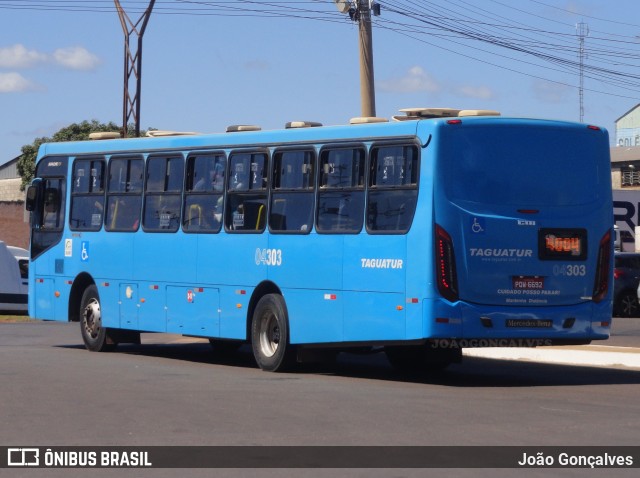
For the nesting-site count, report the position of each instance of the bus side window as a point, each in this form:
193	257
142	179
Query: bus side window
124	194
392	193
292	195
340	207
204	195
246	206
87	195
163	193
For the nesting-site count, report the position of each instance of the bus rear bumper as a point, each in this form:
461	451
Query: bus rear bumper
557	325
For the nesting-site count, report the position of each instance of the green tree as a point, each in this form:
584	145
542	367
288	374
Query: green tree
74	132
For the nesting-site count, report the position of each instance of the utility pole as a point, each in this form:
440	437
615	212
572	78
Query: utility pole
360	11
132	65
582	30
367	87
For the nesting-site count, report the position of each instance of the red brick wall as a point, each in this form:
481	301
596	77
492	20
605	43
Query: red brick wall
13	230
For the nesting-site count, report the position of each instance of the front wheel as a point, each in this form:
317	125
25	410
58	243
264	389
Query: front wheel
270	335
94	334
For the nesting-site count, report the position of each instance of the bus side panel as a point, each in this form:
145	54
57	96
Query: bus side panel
152	313
315	316
292	258
230	259
374	316
193	311
375	263
42	299
165	257
234	306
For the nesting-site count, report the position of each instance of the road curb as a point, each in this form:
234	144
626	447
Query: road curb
589	356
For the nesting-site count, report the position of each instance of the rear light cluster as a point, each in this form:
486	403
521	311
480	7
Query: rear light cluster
446	276
601	286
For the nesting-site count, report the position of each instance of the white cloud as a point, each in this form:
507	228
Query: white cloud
15	82
478	92
548	92
17	56
414	80
76	58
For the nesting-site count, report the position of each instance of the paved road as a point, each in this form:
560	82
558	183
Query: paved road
56	393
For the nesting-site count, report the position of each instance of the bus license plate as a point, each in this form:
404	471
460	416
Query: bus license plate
528	282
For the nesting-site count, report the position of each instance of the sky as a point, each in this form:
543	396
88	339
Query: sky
210	64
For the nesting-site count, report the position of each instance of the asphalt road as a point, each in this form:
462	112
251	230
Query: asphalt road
56	393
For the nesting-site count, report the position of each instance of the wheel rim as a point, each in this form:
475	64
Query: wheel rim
629	305
269	335
91	318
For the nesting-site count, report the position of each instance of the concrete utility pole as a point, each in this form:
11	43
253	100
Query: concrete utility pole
360	11
367	87
132	65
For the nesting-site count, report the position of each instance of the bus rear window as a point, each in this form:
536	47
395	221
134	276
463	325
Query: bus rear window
541	166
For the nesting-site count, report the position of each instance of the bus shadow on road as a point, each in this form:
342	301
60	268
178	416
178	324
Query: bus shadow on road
472	372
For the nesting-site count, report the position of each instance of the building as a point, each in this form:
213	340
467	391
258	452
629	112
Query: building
628	128
14	227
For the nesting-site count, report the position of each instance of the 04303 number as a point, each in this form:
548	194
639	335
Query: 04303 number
269	257
570	270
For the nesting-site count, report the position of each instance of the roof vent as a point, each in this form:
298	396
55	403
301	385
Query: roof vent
161	133
479	113
105	135
419	113
302	124
237	128
367	120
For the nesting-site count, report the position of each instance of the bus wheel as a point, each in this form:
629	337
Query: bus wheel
417	359
270	335
94	334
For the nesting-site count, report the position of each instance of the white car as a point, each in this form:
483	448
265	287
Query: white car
14	273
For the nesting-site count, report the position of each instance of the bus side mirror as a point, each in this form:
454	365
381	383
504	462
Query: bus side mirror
33	202
31	199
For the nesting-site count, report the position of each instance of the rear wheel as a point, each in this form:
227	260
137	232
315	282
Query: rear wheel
270	335
94	334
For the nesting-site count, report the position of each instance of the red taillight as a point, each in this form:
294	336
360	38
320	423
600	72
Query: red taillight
593	127
601	286
454	121
617	273
446	265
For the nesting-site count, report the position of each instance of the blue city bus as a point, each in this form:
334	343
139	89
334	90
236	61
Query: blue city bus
441	230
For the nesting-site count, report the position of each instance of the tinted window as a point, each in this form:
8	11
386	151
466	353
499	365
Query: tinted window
393	193
204	196
246	208
292	195
87	195
341	195
163	193
124	194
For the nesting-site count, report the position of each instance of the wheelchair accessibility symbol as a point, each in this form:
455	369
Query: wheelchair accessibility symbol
84	251
477	226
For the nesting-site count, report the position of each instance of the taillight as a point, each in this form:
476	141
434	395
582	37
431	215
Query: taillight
601	286
617	273
446	265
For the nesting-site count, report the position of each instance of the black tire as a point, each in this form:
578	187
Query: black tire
94	335
270	335
627	304
421	358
